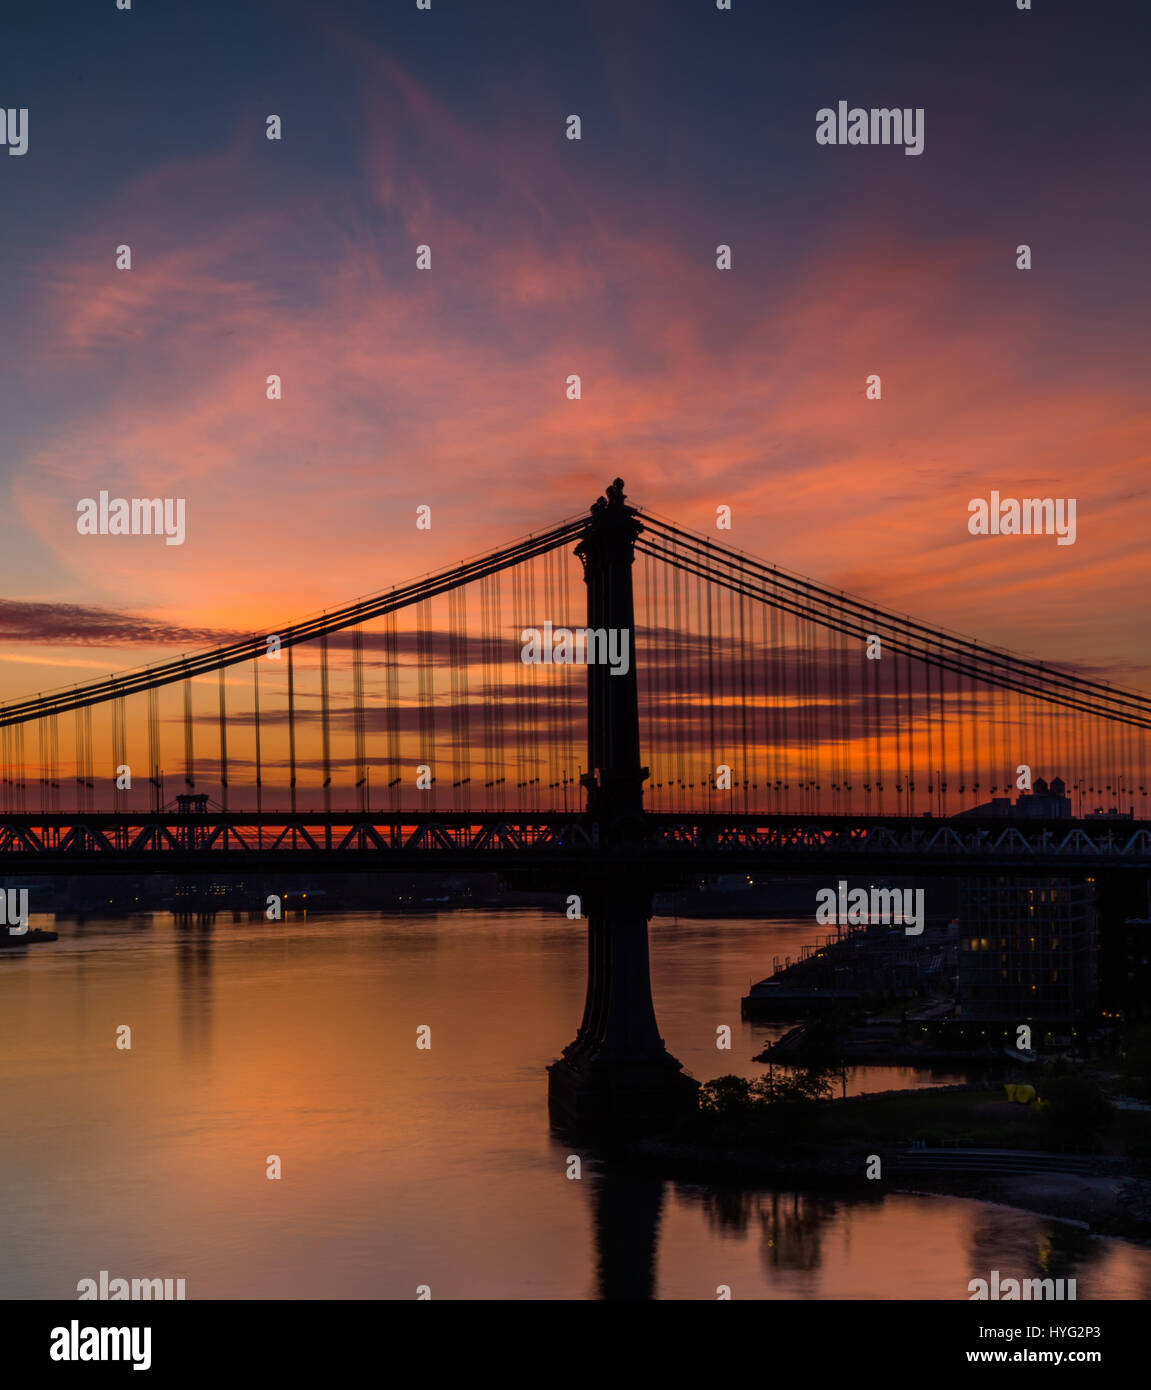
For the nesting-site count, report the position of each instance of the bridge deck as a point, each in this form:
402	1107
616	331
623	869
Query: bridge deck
454	842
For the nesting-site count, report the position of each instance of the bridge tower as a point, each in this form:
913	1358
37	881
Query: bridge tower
617	1074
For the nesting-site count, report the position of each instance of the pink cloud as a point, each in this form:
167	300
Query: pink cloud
447	388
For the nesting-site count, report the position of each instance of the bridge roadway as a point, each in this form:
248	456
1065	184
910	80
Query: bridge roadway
665	846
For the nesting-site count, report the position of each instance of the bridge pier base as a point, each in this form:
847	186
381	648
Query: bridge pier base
617	1076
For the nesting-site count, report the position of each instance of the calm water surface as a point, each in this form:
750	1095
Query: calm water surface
404	1167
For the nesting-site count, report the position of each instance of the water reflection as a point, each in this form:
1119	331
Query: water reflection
194	932
401	1166
790	1225
626	1212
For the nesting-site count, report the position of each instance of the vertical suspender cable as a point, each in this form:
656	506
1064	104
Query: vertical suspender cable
292	732
154	747
325	724
259	756
189	739
223	742
359	731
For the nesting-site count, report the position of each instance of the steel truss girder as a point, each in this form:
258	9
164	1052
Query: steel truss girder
507	835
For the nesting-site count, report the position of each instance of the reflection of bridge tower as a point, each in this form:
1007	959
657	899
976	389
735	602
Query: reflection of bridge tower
627	1214
617	1073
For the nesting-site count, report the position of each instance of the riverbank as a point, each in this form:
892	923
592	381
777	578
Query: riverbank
957	1141
1105	1206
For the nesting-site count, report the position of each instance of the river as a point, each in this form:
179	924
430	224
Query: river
404	1167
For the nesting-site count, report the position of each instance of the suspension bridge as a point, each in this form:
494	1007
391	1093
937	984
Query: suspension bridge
760	720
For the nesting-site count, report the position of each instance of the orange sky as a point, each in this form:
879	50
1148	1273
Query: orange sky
447	387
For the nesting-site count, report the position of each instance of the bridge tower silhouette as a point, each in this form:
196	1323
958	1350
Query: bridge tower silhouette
852	739
617	1073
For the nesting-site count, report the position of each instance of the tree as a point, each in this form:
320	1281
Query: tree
726	1095
1073	1110
804	1084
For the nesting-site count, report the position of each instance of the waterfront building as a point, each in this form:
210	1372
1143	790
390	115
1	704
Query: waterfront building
1028	955
1045	801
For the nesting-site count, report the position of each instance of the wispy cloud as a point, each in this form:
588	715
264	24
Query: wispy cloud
446	388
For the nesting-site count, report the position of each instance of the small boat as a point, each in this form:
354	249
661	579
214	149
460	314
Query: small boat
27	938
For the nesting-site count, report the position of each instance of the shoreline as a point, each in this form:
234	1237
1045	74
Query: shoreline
1102	1214
1114	1206
965	1141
